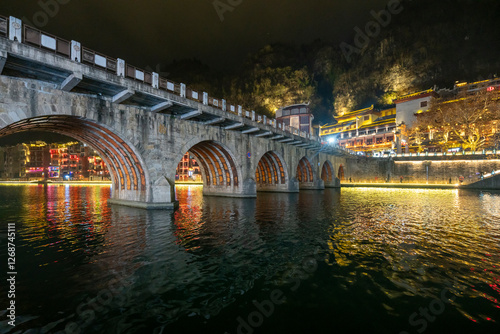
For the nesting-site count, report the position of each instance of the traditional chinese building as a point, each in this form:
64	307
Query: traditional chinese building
66	161
188	169
297	116
13	162
76	161
489	85
364	130
407	106
37	159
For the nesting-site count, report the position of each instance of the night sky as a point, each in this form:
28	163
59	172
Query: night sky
152	33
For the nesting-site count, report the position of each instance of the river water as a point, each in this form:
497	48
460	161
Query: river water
356	260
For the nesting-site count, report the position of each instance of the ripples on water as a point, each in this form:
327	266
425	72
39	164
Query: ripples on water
357	260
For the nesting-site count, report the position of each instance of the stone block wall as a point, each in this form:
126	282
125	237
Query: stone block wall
439	172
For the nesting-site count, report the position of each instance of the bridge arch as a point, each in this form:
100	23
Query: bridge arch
305	173
328	175
129	175
220	172
271	173
341	173
327	172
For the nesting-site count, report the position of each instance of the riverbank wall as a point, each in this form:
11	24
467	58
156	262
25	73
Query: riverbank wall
477	171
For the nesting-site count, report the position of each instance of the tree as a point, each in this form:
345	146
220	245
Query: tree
468	118
266	89
417	136
437	124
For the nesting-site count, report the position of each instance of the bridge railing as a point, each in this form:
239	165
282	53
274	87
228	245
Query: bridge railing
167	85
98	60
137	74
76	52
213	102
4	24
192	95
46	41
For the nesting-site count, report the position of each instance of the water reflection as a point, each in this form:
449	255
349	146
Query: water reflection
381	255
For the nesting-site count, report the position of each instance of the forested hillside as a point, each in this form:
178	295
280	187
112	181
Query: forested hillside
427	44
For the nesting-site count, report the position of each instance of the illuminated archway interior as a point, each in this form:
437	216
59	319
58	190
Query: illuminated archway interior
188	169
125	166
270	170
327	172
340	174
304	171
217	165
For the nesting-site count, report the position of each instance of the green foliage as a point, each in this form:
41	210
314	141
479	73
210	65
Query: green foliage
430	43
420	48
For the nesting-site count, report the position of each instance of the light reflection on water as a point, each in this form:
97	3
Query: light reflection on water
383	254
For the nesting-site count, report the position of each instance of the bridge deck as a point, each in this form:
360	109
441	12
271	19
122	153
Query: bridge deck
26	52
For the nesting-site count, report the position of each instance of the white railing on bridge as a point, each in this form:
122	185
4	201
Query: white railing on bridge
13	29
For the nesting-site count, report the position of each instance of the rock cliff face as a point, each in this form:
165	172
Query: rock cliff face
426	44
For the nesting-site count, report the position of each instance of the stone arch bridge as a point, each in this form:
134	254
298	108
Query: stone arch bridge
142	124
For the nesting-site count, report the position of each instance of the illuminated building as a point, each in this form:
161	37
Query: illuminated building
467	99
296	116
188	169
364	130
64	161
73	161
77	161
37	159
13	162
374	131
407	106
97	168
489	85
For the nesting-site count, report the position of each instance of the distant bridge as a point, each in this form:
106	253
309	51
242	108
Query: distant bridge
142	124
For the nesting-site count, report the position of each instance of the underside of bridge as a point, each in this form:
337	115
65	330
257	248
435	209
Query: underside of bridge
271	174
219	172
127	169
328	176
341	174
306	177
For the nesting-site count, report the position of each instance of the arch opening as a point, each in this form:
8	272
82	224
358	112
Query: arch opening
305	173
188	170
328	176
340	173
271	173
214	166
127	169
327	172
